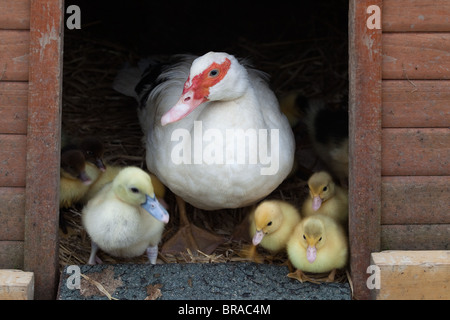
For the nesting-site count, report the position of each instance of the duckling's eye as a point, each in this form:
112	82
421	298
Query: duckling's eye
304	237
134	190
89	152
325	188
214	73
320	239
270	223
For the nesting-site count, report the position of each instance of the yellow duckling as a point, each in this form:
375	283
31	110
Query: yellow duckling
271	224
124	218
318	244
326	198
108	175
76	175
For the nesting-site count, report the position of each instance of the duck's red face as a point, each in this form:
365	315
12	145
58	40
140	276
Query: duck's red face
196	91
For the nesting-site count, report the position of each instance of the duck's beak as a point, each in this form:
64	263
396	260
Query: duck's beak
257	238
187	103
84	178
152	206
99	163
317	202
311	253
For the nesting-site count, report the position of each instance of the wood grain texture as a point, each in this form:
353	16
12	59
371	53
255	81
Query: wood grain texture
43	145
16	285
416	152
11	254
416	15
416	104
14	54
416	56
364	143
15	14
415	200
13	152
413	275
13	107
12	214
415	237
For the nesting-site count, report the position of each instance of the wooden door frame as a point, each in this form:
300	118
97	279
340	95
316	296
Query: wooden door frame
43	145
365	58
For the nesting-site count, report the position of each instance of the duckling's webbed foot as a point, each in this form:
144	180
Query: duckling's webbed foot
93	259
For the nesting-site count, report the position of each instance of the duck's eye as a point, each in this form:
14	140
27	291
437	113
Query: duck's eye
325	188
134	190
214	73
304	237
270	223
320	239
89	152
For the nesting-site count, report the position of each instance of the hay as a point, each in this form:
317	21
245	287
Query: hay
92	107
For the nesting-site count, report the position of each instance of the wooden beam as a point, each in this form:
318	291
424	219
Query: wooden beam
13	153
14	50
416	16
13	107
16	285
416	104
365	142
406	275
15	14
415	237
410	56
43	145
12	213
415	200
416	152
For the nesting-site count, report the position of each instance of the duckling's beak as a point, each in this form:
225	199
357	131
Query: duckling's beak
152	206
311	253
84	178
99	163
259	235
317	202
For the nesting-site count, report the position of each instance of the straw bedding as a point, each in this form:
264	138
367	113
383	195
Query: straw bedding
312	66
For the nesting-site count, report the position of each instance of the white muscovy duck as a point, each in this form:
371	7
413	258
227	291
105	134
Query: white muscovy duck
214	135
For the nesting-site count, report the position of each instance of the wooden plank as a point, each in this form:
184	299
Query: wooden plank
413	275
12	213
16	285
416	15
15	14
13	153
14	51
416	152
11	254
416	104
364	142
411	200
411	56
43	145
415	237
13	107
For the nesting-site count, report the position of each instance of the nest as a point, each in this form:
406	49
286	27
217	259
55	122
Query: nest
92	107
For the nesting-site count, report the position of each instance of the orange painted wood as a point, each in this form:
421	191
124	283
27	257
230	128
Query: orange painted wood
43	145
415	200
14	51
416	152
416	104
416	15
12	213
15	14
11	254
364	143
415	237
13	107
13	153
416	56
